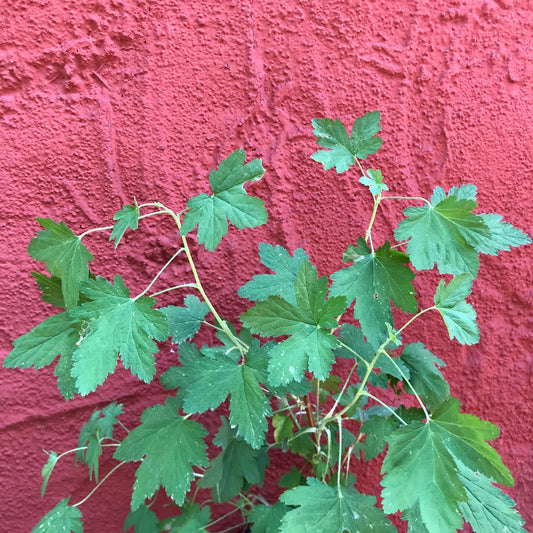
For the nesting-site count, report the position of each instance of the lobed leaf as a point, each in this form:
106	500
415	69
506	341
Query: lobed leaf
65	257
184	322
115	323
126	218
229	201
62	517
168	445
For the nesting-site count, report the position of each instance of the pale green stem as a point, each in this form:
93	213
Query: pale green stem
354	352
407	198
328	457
192	285
346	382
413	318
159	274
392	411
406	380
339	422
107	228
199	286
99	484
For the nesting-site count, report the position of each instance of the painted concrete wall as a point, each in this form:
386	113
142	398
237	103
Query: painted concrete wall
104	100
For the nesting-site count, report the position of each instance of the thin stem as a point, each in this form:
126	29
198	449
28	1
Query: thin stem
192	285
339	422
407	198
99	484
199	286
390	409
332	410
328	457
107	228
317	403
159	274
233	511
353	351
397	245
413	318
406	380
368	234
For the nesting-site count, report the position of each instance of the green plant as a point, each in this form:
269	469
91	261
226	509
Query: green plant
284	394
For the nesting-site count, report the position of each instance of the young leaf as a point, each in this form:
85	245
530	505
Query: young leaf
65	257
99	426
229	201
374	181
445	233
115	323
47	469
267	518
488	509
459	316
168	445
341	149
421	469
184	322
282	282
333	509
234	468
61	518
426	378
310	343
127	217
377	430
283	426
374	279
206	382
143	520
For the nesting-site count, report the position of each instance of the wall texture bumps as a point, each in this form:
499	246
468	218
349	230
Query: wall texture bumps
104	100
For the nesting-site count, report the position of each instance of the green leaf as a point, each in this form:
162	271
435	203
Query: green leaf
377	430
426	378
234	468
283	426
373	281
445	233
99	427
229	201
267	518
168	446
41	345
308	323
502	235
115	323
62	518
127	217
421	469
184	322
332	509
459	316
47	469
374	181
193	519
65	257
291	479
488	509
353	339
342	149
282	282
50	287
143	520
206	382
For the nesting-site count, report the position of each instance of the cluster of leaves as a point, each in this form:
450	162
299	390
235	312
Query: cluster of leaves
275	373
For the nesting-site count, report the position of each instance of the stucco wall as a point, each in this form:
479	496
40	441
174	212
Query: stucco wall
104	100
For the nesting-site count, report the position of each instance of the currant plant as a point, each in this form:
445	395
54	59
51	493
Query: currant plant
274	374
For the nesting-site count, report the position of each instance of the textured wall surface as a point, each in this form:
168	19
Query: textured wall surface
104	100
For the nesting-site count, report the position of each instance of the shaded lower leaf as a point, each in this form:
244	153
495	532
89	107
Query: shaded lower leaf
143	520
320	507
267	518
62	518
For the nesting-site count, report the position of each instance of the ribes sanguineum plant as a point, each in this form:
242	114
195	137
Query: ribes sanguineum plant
273	374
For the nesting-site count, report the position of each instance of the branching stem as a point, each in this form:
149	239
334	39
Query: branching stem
99	484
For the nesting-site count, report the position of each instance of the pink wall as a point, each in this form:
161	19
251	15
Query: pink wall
103	100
